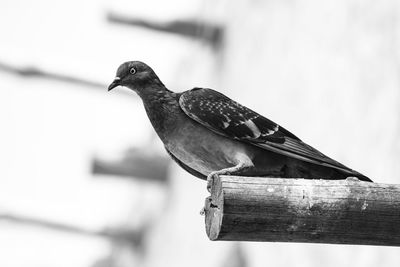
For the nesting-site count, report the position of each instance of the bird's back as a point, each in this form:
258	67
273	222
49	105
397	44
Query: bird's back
228	118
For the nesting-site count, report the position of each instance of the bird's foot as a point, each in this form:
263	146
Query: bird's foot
227	171
210	179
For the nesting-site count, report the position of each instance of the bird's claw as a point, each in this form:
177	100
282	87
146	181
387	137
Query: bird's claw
210	179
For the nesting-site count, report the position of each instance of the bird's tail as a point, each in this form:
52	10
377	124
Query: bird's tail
360	176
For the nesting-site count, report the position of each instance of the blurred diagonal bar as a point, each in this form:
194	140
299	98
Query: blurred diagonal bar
137	163
133	237
210	33
299	210
31	71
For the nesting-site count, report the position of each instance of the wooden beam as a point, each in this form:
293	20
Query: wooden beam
32	71
299	210
133	237
211	33
139	166
37	72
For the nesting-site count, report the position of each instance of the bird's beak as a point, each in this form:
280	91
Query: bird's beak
114	84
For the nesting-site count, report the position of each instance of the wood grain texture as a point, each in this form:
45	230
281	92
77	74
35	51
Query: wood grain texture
299	210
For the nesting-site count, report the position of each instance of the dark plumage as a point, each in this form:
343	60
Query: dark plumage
209	134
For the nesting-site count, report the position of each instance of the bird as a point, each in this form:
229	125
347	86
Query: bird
208	134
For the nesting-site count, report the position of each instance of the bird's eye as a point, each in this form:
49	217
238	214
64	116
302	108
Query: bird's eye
132	71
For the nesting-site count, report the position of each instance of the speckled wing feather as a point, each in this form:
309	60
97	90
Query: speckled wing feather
227	117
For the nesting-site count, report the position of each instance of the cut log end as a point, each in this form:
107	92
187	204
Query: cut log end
214	210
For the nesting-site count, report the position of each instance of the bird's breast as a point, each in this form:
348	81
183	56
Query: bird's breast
204	150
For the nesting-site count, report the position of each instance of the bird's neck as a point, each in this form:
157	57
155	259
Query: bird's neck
163	109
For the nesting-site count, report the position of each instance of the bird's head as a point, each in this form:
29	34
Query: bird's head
135	75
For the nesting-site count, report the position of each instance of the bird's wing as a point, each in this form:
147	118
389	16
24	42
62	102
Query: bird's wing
186	167
224	116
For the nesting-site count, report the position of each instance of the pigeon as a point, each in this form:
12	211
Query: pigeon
208	134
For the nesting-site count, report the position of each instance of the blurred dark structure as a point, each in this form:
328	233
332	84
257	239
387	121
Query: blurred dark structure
133	238
207	32
135	163
36	72
236	257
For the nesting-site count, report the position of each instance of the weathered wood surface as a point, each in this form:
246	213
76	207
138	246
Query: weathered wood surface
298	210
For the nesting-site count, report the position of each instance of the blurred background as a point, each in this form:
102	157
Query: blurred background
84	181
